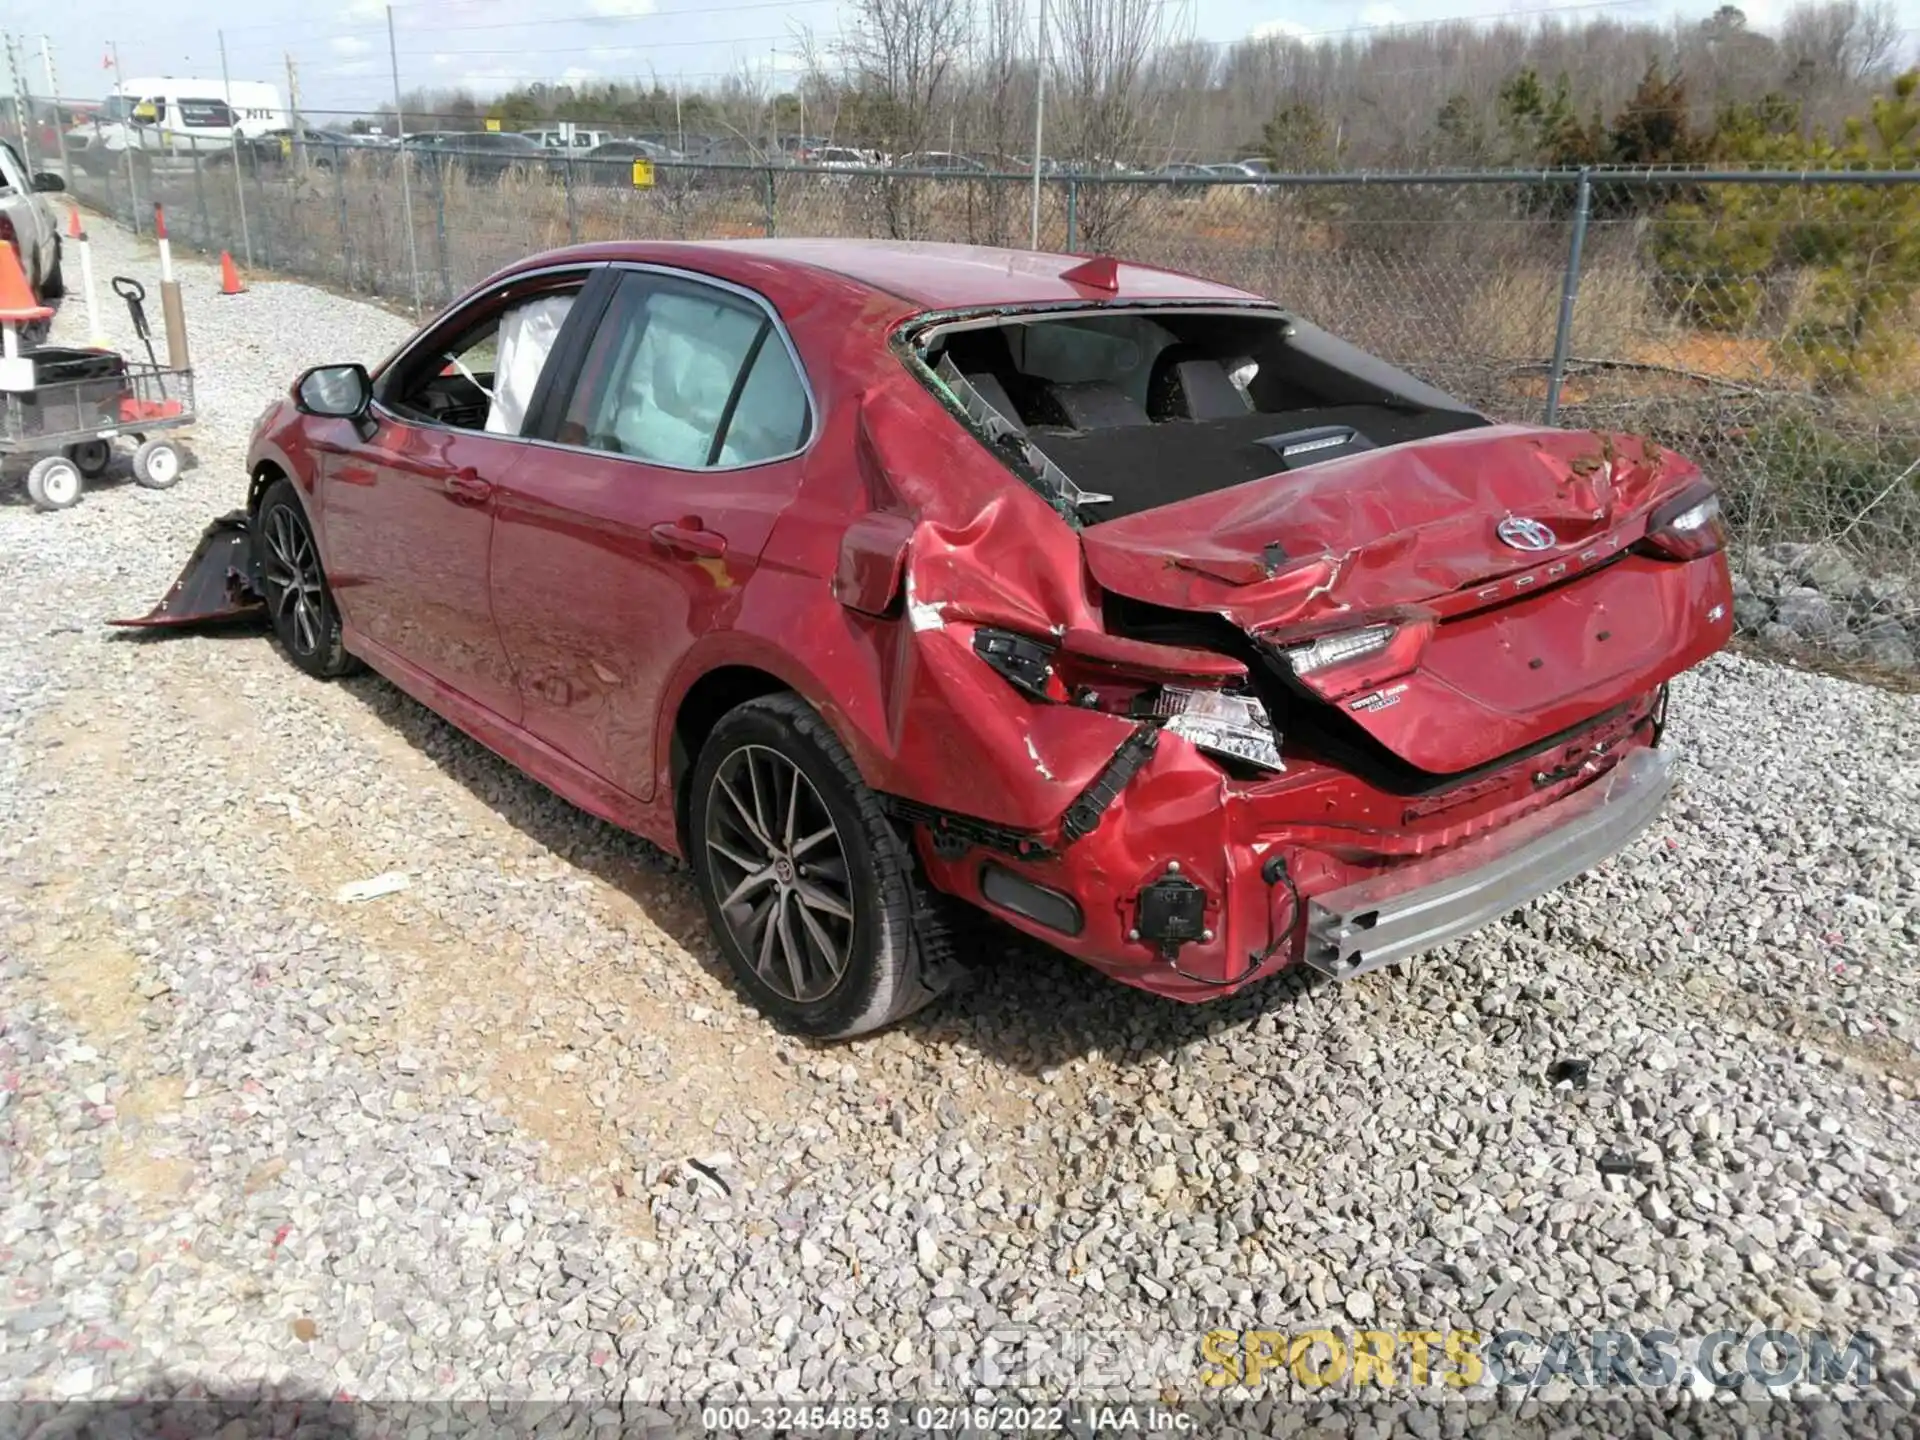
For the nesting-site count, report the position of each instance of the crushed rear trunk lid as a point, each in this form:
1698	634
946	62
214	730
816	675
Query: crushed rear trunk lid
1530	629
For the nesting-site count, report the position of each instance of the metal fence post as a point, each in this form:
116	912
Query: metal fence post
1073	215
770	203
200	197
1569	292
340	204
106	168
440	226
260	210
573	211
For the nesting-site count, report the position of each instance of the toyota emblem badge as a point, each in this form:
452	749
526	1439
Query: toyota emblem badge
1524	534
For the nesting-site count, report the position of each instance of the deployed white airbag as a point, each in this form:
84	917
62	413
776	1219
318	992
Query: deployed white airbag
527	336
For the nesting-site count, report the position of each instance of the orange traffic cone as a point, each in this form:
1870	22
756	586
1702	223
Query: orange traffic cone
229	276
17	305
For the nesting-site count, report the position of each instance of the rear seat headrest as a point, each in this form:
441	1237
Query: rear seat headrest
1186	385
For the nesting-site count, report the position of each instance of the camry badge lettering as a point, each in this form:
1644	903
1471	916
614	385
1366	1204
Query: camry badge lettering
1526	534
1379	699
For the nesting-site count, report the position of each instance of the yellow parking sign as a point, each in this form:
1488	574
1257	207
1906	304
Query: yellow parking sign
642	173
493	125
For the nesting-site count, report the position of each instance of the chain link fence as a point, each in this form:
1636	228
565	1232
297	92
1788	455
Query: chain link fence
1761	324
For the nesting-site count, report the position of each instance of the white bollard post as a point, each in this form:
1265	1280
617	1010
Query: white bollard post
96	337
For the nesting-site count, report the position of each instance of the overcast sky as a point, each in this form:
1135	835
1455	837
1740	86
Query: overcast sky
490	45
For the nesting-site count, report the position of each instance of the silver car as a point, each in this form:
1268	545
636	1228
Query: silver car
28	221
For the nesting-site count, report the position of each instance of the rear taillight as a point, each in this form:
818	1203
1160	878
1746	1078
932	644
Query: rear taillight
1219	722
1686	527
1348	661
1196	694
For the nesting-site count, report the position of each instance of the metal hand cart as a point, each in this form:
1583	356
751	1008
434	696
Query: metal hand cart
82	400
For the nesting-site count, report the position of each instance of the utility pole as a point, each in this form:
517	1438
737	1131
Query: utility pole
1039	120
59	124
293	111
239	180
127	131
406	188
20	106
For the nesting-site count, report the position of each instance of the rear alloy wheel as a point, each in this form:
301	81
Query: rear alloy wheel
812	892
295	588
54	483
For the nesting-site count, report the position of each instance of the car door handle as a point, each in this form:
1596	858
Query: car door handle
467	487
689	537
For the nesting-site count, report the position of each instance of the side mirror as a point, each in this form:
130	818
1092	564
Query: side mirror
338	392
47	182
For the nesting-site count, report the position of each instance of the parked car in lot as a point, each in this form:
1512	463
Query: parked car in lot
1126	606
29	224
843	157
939	160
578	141
483	155
611	163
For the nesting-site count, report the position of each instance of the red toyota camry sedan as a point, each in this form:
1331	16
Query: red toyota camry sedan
1142	614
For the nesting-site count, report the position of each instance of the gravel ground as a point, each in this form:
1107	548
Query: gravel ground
443	1143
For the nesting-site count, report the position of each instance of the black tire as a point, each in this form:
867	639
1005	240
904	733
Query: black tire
91	457
898	955
309	632
53	285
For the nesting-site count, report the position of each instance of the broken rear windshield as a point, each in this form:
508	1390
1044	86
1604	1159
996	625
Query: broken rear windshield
1125	410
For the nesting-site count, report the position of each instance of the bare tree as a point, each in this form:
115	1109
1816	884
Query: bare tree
1109	112
901	57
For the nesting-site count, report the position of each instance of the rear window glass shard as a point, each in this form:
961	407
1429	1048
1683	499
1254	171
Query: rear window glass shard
1135	407
1006	436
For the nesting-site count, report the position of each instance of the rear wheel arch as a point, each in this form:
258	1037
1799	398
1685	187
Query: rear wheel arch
701	708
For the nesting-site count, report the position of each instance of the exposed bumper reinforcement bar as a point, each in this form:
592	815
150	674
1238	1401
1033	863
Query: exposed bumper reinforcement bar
1417	906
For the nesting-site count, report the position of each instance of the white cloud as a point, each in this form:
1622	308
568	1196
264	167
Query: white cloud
1383	15
1278	30
365	12
349	47
619	9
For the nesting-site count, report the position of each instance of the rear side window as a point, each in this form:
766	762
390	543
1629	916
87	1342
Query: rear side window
687	375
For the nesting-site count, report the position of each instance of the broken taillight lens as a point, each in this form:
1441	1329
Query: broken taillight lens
1337	665
1221	723
1192	693
1686	527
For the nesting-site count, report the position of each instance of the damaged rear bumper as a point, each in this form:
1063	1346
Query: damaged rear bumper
1417	906
1193	885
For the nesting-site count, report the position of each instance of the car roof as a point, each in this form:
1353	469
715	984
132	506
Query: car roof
942	276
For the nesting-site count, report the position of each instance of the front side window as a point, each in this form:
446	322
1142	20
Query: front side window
482	375
687	375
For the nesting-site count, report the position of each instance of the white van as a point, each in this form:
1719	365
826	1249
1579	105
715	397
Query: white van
171	113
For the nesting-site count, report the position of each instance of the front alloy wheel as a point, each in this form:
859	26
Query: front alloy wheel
295	587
